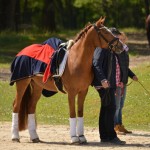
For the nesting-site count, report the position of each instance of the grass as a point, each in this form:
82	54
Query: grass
54	110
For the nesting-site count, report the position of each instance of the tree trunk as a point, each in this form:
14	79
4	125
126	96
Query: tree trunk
17	15
49	15
147	7
7	17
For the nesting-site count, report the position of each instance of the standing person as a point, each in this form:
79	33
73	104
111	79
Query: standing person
104	67
122	86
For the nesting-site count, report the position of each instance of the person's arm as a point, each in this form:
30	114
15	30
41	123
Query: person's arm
132	75
97	67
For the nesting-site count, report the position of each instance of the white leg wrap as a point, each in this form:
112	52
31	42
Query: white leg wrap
32	126
80	128
14	128
73	122
74	137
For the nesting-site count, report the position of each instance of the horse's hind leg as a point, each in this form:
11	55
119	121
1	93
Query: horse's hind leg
80	121
21	86
36	93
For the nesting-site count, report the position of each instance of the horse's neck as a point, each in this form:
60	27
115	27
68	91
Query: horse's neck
83	50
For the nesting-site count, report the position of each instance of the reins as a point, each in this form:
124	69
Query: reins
99	33
110	47
144	88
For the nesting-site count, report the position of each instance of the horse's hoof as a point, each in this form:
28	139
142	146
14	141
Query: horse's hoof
37	140
16	140
82	139
75	140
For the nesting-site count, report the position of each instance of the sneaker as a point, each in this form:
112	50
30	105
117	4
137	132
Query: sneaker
117	141
118	130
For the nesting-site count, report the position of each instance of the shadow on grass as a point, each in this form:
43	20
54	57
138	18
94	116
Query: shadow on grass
12	43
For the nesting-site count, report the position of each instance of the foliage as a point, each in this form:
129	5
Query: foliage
55	15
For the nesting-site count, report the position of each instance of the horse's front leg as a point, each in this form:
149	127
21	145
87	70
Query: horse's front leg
36	93
80	120
72	119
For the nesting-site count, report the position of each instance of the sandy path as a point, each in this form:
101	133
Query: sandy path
57	138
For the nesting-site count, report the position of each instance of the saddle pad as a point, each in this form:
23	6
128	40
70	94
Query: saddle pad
32	60
62	65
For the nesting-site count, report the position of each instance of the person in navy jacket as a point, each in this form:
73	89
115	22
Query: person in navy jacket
104	68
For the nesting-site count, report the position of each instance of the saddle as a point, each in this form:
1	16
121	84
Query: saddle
58	62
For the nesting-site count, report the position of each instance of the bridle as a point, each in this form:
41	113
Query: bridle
111	44
112	47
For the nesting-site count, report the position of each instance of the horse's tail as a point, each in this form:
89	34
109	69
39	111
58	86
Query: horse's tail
23	112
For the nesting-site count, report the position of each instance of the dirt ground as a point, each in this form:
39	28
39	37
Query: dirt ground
57	138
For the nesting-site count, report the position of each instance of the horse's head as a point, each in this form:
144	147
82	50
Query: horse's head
107	39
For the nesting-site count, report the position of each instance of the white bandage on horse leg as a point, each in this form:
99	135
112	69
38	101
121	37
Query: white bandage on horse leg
14	128
80	129
73	122
32	126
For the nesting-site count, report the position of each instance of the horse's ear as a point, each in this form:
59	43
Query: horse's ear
100	21
103	20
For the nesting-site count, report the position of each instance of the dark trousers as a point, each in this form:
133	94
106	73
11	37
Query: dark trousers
107	112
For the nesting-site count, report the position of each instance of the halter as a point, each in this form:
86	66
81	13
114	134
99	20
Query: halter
111	46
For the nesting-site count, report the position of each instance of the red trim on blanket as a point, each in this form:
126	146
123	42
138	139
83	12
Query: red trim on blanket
42	53
38	51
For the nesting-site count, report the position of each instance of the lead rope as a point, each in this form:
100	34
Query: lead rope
144	88
141	85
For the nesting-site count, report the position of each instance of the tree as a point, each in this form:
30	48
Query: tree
147	7
49	15
7	17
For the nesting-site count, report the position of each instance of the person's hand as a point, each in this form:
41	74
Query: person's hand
121	85
135	78
105	84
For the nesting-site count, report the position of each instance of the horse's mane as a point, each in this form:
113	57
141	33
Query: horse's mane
83	31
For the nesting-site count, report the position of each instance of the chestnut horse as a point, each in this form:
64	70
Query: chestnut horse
76	79
148	28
